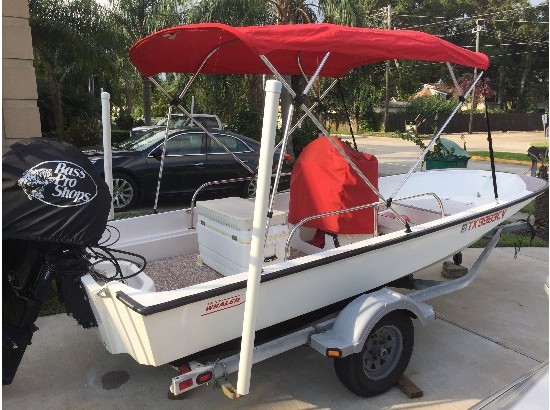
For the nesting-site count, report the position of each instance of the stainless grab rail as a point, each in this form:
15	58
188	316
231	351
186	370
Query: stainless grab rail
341	211
439	201
357	208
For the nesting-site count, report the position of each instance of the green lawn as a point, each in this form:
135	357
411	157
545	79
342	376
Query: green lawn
503	155
510	240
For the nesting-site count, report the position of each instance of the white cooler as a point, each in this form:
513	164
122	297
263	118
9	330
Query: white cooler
224	231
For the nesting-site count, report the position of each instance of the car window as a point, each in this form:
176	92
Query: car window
208	122
180	122
142	142
175	121
185	144
232	143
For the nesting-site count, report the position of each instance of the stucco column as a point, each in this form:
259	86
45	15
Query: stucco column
20	116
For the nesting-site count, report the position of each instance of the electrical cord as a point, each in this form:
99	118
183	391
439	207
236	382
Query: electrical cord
105	254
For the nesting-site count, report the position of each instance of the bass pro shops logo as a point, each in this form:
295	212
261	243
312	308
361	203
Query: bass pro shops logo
58	183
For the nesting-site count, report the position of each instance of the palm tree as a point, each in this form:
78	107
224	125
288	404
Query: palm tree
139	18
70	37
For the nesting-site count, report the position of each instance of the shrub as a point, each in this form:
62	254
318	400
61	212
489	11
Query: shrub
247	121
119	135
372	121
430	106
303	136
124	121
83	131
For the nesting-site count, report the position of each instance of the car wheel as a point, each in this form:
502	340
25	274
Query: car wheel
125	192
250	188
384	357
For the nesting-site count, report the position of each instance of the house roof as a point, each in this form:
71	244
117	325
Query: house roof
430	89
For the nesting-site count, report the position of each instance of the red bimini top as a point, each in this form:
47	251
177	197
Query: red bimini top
237	50
322	181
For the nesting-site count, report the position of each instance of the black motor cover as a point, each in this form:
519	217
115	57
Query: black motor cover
51	193
54	205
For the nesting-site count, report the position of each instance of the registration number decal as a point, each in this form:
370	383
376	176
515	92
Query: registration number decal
484	220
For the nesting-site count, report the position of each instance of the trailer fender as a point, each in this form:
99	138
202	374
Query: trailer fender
354	323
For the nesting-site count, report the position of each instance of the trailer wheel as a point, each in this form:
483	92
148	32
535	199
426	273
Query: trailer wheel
384	357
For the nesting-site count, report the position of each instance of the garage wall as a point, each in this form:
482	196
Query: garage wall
20	116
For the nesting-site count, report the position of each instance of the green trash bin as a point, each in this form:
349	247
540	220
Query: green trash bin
454	156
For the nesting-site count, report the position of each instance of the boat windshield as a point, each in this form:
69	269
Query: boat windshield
143	141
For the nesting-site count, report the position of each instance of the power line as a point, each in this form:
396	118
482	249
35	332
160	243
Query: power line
466	18
509	44
511	54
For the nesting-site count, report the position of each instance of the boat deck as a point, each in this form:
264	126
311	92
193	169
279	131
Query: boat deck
186	270
179	272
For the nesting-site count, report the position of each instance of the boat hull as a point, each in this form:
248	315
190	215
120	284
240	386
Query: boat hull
159	327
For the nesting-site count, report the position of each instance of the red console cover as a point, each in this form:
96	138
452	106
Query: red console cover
322	181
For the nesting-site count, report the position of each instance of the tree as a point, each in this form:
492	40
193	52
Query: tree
259	12
138	18
72	40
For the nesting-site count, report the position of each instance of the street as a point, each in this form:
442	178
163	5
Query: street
396	156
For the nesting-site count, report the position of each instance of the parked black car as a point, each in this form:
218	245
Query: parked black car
192	159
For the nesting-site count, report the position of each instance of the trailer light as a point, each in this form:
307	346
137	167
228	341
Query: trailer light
204	377
287	157
332	352
185	384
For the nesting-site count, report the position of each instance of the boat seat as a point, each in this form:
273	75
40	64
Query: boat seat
311	240
388	222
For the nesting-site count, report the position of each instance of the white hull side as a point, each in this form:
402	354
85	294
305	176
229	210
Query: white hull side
161	337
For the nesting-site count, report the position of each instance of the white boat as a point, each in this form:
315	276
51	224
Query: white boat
133	318
412	220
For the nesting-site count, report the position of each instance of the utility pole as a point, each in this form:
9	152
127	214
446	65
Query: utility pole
476	30
388	9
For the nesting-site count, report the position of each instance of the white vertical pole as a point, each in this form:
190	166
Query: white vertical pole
272	95
107	152
192	104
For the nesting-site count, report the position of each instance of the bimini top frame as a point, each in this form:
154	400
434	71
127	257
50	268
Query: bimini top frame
326	50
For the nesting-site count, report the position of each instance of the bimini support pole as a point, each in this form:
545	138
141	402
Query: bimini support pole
315	104
272	95
452	72
334	144
437	135
491	152
162	159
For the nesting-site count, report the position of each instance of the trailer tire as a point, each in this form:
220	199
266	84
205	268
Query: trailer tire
372	372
